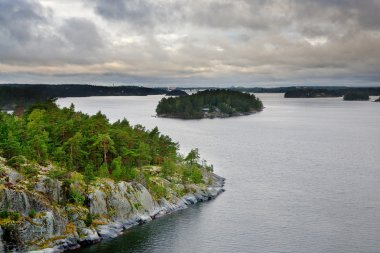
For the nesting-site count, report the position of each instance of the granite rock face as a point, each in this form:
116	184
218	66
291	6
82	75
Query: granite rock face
44	225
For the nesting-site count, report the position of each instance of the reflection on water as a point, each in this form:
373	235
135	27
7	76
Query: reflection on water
302	176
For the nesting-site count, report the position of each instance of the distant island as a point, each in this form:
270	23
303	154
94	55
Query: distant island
218	103
13	95
312	93
356	96
317	92
176	93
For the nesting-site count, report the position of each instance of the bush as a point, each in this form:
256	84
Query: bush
4	214
32	213
76	197
88	221
29	170
17	161
103	171
167	168
89	174
14	216
197	175
157	190
57	174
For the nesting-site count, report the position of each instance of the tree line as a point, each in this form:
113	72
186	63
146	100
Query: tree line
90	145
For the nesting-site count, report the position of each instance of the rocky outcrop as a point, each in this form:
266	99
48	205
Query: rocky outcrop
43	224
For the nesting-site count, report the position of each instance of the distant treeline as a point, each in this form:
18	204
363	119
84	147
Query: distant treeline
304	91
312	92
12	95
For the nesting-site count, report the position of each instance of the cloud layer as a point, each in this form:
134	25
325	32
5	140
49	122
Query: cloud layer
200	42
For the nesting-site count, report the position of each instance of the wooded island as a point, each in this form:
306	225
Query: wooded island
219	103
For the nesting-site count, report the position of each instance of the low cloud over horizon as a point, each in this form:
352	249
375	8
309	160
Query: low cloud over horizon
191	43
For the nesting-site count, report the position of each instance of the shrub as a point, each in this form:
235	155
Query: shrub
76	197
32	213
29	170
88	221
57	173
14	216
4	214
17	161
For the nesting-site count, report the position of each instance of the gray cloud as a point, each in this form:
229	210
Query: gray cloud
200	41
18	19
133	11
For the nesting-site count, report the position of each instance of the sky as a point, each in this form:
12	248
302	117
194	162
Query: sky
219	43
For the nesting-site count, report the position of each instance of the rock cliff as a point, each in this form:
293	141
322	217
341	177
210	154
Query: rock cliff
33	218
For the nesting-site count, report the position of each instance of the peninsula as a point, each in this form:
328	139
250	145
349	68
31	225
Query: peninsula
69	179
218	103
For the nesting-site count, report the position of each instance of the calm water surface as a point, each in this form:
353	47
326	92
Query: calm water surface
302	176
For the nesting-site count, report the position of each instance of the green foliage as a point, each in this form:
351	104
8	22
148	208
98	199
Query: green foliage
14	216
20	163
30	170
193	156
89	219
74	140
4	214
76	197
221	101
168	168
84	147
131	174
103	171
57	173
117	171
32	213
17	161
158	191
89	174
197	175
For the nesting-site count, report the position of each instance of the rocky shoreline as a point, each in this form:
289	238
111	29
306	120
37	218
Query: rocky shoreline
117	207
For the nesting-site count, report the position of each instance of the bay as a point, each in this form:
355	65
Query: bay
302	176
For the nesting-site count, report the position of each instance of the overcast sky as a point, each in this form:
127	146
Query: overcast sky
191	43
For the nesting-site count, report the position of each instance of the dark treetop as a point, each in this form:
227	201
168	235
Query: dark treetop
209	104
356	96
314	92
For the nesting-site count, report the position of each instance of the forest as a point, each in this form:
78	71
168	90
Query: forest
13	95
90	145
209	103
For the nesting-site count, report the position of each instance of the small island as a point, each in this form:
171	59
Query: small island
312	93
218	103
356	96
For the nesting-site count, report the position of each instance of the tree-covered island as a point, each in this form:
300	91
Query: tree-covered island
68	179
219	103
356	96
